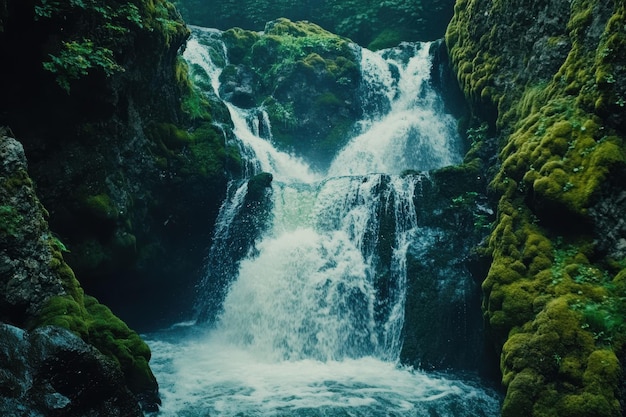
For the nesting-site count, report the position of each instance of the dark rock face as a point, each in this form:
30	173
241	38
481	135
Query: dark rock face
251	219
443	326
52	372
237	86
38	288
26	276
134	202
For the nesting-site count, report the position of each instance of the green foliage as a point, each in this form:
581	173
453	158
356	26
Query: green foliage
77	58
364	21
91	30
605	319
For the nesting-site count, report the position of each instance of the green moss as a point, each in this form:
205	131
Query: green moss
114	339
101	207
98	326
10	220
65	312
388	38
582	405
521	395
239	43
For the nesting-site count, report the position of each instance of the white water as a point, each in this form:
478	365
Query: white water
311	321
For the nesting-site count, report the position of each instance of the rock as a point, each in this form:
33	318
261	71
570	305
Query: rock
27	278
237	86
305	78
257	186
52	372
548	78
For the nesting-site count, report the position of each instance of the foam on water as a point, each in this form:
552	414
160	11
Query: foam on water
206	376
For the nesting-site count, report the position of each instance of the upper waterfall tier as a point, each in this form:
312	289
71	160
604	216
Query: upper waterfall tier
391	118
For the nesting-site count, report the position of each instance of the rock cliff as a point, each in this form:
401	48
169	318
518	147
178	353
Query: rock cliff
548	78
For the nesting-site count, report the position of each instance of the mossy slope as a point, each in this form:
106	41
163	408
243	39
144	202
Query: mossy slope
550	76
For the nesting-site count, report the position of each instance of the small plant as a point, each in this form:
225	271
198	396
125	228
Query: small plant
604	320
477	134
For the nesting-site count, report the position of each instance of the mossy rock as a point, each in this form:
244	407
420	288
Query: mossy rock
306	78
98	326
101	207
550	300
257	186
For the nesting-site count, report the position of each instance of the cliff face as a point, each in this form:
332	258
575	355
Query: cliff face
98	96
549	77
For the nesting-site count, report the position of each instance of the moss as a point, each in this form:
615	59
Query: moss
523	389
239	42
585	404
10	220
65	312
98	326
114	339
386	39
101	207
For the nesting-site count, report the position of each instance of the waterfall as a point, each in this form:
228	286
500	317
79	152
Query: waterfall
307	308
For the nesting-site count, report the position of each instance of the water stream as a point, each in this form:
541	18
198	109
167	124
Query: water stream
308	313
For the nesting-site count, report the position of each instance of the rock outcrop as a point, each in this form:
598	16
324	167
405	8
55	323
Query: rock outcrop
46	363
305	77
52	372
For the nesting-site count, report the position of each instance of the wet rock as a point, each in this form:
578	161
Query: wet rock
52	372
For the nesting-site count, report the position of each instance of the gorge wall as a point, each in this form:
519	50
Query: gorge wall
549	79
125	157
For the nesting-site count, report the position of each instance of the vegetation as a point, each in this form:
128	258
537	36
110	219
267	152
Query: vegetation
89	47
306	79
375	23
9	220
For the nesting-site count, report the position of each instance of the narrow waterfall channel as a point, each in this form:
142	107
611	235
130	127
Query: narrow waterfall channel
304	302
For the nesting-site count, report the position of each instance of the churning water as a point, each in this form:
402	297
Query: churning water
310	310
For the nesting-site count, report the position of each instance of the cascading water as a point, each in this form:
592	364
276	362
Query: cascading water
308	308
